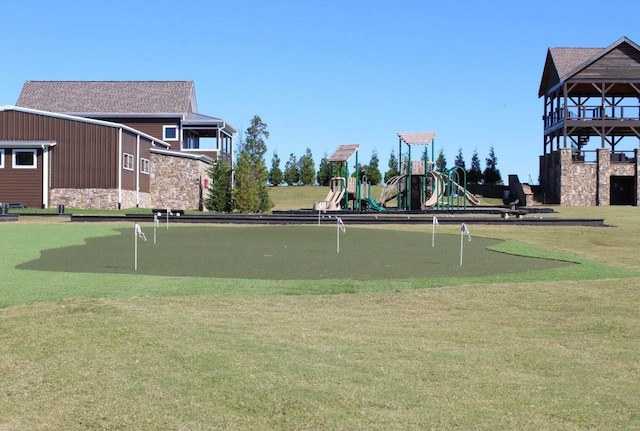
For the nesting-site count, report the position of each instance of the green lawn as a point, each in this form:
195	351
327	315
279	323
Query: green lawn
524	348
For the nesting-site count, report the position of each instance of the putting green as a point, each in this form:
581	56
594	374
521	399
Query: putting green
287	253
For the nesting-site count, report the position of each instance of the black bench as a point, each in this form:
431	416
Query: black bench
513	211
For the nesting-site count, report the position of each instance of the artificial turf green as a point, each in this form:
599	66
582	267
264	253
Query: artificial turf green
289	253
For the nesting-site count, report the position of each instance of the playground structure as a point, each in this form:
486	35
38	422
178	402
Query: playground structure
347	191
418	186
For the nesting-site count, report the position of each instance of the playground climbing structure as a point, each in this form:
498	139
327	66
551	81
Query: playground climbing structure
419	185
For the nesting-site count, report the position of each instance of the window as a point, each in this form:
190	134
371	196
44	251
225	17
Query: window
1	158
25	159
127	161
144	166
170	133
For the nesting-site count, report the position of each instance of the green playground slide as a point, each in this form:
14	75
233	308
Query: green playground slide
371	203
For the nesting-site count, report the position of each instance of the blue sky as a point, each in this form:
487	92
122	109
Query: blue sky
321	73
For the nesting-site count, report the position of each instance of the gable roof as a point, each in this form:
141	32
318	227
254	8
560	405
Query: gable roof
109	97
563	63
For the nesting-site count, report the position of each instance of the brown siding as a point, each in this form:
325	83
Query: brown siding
21	185
145	153
85	155
152	127
129	144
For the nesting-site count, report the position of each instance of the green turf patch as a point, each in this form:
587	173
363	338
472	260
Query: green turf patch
290	253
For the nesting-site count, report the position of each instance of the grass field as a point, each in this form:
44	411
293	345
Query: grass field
555	348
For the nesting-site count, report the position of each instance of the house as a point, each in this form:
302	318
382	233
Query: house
109	144
591	125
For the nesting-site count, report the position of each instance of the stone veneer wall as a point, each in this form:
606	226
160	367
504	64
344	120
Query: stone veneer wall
577	181
177	182
84	198
96	198
584	184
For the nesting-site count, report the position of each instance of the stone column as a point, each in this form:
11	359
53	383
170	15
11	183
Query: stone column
565	181
603	186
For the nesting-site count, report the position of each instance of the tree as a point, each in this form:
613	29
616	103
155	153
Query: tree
474	174
246	192
393	167
307	168
358	170
372	171
291	171
441	161
491	172
219	198
251	193
275	174
324	171
254	142
459	162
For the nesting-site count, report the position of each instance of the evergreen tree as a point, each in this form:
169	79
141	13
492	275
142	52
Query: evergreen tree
251	193
254	142
275	174
219	198
372	171
491	172
441	161
246	197
307	168
460	160
291	171
474	174
394	169
324	171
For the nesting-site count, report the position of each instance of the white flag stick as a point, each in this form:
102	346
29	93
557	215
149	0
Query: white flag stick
135	248
433	231
168	212
339	227
156	222
463	231
137	233
461	246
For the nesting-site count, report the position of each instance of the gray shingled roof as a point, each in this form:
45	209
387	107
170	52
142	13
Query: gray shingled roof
567	59
123	97
561	62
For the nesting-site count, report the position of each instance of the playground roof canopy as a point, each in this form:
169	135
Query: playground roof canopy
344	153
417	138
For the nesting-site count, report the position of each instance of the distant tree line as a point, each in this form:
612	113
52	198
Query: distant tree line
475	175
301	171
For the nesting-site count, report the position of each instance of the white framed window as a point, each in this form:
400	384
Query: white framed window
170	133
24	159
127	161
1	158
144	166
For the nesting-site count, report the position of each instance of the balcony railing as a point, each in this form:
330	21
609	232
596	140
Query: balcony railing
593	112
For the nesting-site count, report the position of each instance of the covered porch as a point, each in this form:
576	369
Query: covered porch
208	136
